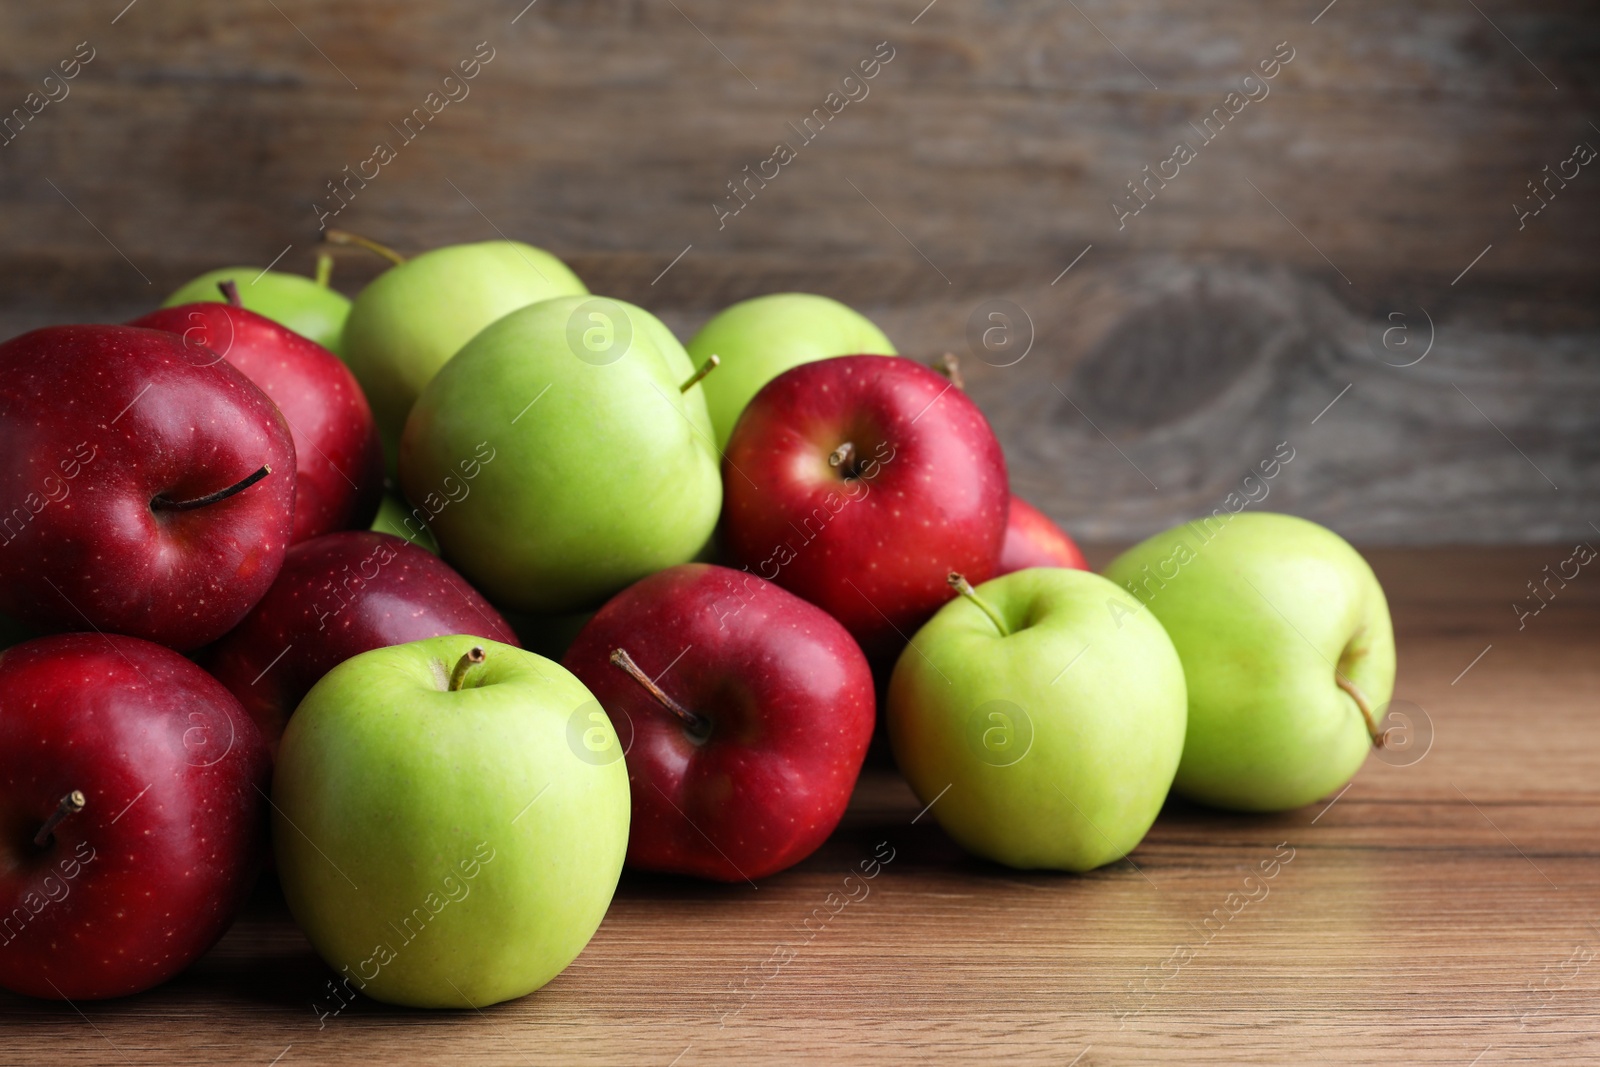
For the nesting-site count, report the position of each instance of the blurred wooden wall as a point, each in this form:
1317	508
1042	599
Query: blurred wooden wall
1178	350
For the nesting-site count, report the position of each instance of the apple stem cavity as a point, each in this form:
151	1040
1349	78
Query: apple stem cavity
324	269
844	456
469	659
964	587
697	725
949	366
1379	737
230	292
70	804
711	364
163	503
345	237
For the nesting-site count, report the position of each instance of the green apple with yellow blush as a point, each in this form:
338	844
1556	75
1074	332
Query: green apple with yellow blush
1041	717
416	315
450	818
1287	647
564	454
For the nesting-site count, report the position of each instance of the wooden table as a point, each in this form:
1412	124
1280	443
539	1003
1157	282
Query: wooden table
1446	911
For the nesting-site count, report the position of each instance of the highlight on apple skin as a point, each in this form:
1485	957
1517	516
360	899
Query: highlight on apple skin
1288	649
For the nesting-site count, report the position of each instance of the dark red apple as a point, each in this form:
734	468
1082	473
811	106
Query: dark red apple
338	456
132	814
860	483
1032	540
146	486
745	713
337	596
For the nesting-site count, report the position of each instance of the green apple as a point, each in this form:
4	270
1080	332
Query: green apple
1287	647
561	458
1041	717
759	339
441	837
308	307
417	314
396	517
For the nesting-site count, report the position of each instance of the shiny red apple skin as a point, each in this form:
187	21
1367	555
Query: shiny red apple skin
873	551
96	422
789	699
340	595
1032	540
338	455
141	882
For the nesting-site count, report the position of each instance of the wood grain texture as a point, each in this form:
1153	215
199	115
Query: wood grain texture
1250	291
1433	913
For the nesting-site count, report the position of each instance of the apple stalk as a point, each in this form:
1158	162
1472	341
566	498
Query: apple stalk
697	725
70	804
469	659
1379	737
712	363
964	587
345	237
163	503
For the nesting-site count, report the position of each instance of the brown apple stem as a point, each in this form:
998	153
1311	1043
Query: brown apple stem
949	366
70	804
230	293
843	456
163	503
711	364
469	659
345	237
324	269
1378	736
697	724
964	587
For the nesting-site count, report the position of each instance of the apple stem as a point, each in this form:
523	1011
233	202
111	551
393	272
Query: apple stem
697	724
843	456
324	269
70	804
949	366
471	658
345	237
1379	737
964	587
230	293
711	364
162	503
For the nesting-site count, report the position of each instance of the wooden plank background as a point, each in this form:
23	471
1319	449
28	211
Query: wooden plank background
1174	354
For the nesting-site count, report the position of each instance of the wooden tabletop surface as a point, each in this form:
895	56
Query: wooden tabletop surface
1445	908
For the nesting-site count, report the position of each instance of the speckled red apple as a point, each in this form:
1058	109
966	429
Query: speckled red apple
130	888
860	483
1032	540
745	714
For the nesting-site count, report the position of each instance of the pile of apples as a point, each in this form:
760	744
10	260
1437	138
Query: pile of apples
276	566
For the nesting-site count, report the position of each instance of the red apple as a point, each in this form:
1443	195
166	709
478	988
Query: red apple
860	483
745	713
146	487
338	456
1032	540
126	890
337	596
